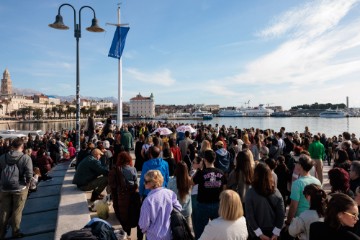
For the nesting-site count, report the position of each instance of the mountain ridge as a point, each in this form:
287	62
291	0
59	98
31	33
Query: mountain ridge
70	98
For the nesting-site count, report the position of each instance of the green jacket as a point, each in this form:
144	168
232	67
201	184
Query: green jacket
88	170
127	140
317	150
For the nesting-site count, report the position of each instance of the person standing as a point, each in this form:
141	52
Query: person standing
184	144
90	128
156	209
340	216
264	206
317	153
13	196
298	201
211	182
155	163
231	224
123	183
127	140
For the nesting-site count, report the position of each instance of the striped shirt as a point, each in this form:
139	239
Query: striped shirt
155	214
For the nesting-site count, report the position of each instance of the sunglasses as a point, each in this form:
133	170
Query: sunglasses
146	181
354	215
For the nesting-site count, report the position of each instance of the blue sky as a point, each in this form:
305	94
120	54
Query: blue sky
276	52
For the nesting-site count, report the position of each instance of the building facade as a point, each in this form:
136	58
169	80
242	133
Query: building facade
142	106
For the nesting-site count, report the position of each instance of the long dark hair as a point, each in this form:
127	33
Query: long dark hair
183	180
318	200
338	203
263	181
243	165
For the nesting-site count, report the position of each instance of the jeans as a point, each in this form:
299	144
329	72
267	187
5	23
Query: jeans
12	205
205	211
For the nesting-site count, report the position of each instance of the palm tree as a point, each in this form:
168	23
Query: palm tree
60	110
48	111
38	113
72	110
14	113
83	111
54	110
28	110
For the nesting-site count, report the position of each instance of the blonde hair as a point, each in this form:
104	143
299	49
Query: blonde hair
230	207
37	171
155	177
149	140
205	145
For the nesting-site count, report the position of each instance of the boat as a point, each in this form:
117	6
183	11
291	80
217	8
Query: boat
207	117
281	114
200	113
235	112
331	113
259	111
11	134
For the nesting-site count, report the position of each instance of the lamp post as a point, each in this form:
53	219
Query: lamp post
59	24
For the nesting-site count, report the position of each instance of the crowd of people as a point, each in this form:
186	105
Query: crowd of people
228	183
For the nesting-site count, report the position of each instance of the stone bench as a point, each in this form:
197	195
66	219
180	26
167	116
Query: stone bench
73	211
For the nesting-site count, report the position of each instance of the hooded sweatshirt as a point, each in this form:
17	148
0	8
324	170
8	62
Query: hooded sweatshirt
24	164
222	159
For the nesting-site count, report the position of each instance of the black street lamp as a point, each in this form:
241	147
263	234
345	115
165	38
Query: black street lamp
59	24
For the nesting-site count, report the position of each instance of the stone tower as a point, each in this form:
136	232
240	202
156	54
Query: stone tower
6	83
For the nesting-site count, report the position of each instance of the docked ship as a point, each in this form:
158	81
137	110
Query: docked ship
200	114
259	111
231	113
330	113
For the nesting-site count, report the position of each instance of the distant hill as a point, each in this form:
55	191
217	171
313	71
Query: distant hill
31	92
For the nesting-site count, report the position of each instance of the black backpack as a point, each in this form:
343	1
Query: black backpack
10	176
101	229
179	227
81	234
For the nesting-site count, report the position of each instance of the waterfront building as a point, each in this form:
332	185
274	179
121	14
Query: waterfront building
101	104
142	106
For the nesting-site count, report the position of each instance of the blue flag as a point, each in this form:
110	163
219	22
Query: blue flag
118	43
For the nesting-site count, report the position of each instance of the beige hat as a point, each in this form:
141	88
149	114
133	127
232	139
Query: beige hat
219	143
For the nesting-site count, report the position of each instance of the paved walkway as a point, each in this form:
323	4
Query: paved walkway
41	208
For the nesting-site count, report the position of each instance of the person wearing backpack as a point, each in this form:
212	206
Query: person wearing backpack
16	171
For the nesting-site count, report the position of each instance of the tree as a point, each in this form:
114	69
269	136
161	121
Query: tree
54	110
71	110
60	109
83	111
38	113
48	111
100	112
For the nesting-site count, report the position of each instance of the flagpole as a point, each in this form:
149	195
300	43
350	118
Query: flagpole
118	45
120	107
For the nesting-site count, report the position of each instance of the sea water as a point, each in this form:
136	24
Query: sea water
329	126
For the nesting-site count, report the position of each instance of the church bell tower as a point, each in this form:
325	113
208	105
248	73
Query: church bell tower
6	84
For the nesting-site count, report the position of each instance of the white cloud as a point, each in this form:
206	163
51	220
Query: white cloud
307	58
310	19
162	78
